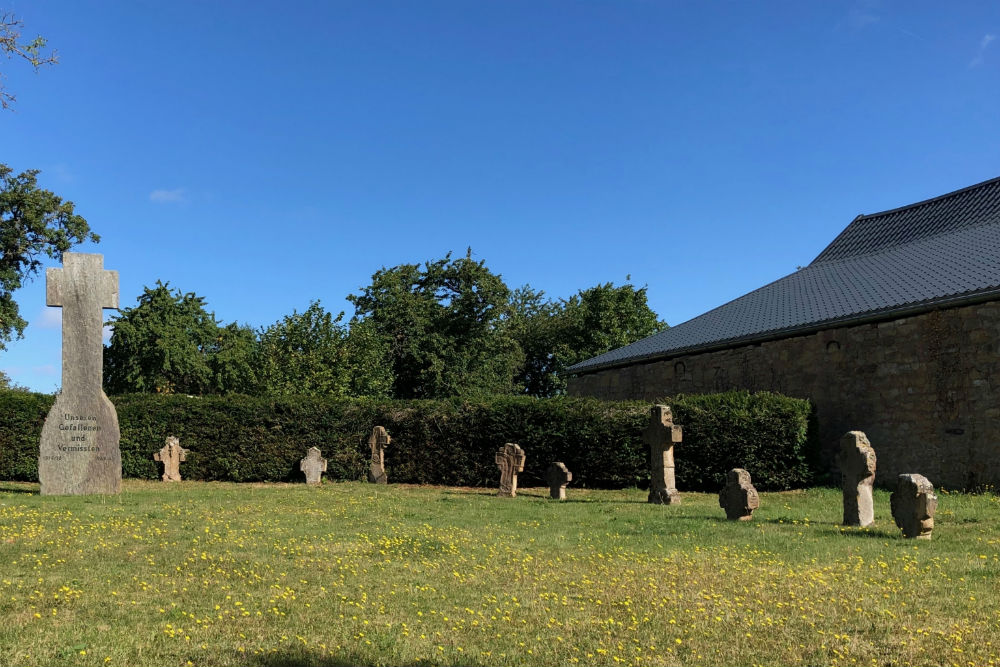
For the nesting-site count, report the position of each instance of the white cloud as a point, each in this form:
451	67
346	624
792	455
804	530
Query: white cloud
175	196
863	14
50	318
106	333
63	173
983	45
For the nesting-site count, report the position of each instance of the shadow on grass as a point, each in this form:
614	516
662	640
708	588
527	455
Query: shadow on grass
536	494
309	659
788	521
485	492
872	534
14	487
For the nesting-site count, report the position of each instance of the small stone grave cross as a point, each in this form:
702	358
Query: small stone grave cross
913	506
171	455
378	441
510	460
739	498
661	434
857	467
313	465
558	476
79	449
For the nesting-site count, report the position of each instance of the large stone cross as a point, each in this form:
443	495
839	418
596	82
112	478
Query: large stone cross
82	288
78	452
378	441
510	459
661	434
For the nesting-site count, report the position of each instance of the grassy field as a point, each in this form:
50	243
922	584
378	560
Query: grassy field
352	574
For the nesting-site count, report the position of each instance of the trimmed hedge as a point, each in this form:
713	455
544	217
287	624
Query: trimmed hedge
453	442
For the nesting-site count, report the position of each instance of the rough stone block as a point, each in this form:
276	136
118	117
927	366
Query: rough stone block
857	468
913	506
739	497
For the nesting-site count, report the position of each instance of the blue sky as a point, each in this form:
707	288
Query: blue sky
263	155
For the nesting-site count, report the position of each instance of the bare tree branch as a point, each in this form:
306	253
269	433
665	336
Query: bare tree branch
31	51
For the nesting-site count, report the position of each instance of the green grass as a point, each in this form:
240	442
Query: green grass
353	574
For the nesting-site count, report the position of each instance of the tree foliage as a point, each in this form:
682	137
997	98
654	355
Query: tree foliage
30	51
34	224
170	343
444	328
556	335
447	327
305	353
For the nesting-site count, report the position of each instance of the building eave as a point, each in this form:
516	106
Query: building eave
802	330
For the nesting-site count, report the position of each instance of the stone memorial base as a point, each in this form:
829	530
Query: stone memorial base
664	497
79	453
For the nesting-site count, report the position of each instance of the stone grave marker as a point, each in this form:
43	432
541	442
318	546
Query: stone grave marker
378	441
78	452
661	434
913	506
558	476
857	468
313	465
171	455
510	460
739	498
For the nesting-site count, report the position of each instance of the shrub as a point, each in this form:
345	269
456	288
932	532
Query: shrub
452	442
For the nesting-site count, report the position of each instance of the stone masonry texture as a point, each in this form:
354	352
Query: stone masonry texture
924	387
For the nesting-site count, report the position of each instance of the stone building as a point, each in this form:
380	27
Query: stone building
894	330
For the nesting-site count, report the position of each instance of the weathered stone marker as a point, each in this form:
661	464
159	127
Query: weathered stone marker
857	467
913	506
661	434
739	498
510	460
313	465
171	455
378	441
558	476
78	452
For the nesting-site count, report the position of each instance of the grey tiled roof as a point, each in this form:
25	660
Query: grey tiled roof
908	259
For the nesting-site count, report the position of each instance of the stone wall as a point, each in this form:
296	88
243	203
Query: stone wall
924	388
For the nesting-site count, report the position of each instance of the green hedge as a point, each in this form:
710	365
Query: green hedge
244	439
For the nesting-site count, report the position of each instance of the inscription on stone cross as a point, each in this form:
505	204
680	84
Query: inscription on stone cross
78	452
378	441
171	455
510	460
558	476
313	465
661	435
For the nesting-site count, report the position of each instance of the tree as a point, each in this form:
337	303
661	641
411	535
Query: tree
369	362
170	343
34	223
604	318
233	360
30	51
556	335
306	353
446	325
538	325
7	384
